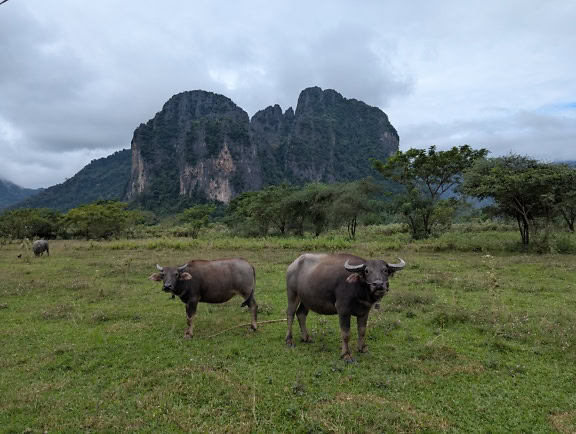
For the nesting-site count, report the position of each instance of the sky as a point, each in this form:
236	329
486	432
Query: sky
77	78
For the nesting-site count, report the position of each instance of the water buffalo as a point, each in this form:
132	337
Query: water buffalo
209	282
39	247
343	284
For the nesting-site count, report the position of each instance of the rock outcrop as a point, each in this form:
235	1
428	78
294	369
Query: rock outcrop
198	146
203	146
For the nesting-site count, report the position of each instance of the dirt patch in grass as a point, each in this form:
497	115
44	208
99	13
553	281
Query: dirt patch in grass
564	422
402	301
370	413
61	311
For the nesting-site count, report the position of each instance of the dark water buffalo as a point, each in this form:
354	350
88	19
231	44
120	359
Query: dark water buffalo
342	285
209	282
39	247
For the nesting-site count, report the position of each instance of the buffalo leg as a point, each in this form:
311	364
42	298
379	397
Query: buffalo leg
301	314
344	320
190	314
254	310
292	305
362	321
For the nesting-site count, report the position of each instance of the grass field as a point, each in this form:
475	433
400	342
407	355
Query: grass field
466	341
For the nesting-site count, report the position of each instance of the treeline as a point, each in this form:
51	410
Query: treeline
315	207
433	189
535	194
99	220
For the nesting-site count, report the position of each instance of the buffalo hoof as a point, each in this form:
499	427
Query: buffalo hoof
348	358
290	344
363	349
307	340
187	336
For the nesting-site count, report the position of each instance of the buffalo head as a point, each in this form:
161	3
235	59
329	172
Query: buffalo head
375	273
169	276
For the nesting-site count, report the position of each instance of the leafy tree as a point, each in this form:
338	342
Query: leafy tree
258	211
351	201
566	195
101	219
315	204
196	218
426	176
240	215
525	189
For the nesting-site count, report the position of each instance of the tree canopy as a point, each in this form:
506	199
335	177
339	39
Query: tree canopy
525	189
426	176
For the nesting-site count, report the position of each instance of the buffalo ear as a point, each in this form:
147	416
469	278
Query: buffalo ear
156	276
185	276
355	277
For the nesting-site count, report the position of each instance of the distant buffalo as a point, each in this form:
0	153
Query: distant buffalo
39	247
209	282
342	285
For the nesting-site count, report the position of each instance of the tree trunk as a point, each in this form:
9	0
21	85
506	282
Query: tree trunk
569	220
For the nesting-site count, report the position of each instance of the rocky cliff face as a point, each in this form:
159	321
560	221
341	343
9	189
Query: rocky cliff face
202	146
197	147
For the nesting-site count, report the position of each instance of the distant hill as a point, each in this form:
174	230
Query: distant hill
11	193
104	178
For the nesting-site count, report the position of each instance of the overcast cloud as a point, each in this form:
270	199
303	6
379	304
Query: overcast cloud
76	78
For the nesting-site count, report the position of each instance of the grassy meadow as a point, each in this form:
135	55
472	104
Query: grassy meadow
474	336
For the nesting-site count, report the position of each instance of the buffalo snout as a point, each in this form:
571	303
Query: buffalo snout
379	286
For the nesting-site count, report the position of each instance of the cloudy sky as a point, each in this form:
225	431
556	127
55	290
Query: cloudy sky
77	77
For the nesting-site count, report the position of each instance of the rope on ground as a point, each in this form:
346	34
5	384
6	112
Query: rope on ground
244	325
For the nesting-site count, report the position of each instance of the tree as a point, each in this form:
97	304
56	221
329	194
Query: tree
351	201
523	188
101	219
315	203
196	218
426	176
256	212
566	194
270	207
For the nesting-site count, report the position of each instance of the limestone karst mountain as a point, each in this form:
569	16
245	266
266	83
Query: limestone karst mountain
202	147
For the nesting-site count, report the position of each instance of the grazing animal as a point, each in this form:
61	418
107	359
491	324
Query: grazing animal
39	247
342	285
209	282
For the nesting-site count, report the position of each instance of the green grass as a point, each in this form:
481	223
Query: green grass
466	341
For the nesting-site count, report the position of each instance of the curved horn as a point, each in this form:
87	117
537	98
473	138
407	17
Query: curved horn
399	266
354	268
183	267
159	267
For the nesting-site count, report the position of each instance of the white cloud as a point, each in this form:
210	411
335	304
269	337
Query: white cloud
82	76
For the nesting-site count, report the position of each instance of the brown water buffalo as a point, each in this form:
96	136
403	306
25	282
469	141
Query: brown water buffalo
342	285
39	247
209	282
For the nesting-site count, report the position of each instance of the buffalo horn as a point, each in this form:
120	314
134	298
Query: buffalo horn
354	268
159	267
183	267
398	266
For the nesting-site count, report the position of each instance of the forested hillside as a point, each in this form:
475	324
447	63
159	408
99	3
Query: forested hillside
104	178
11	193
